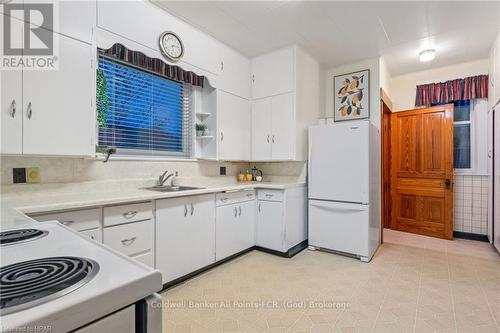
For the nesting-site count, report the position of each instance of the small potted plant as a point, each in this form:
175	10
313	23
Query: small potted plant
200	127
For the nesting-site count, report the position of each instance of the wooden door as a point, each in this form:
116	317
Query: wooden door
422	171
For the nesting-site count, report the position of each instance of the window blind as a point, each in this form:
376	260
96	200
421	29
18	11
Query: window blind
142	113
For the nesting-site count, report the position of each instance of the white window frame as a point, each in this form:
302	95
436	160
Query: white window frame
478	138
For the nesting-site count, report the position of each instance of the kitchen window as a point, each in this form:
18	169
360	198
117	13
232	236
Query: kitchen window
462	150
142	113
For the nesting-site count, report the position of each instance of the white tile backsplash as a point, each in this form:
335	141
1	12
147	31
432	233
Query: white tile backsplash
471	204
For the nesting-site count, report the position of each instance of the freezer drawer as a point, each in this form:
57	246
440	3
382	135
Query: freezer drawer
339	226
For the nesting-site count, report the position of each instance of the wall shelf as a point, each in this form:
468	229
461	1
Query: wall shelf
203	114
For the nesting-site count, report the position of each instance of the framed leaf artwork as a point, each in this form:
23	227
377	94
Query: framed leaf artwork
352	96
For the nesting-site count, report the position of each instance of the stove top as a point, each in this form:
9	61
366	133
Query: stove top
29	283
65	280
20	235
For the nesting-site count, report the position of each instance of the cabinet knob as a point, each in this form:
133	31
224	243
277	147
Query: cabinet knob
253	77
221	136
130	214
239	209
12	110
260	207
268	137
235	211
192	209
272	139
185	210
128	241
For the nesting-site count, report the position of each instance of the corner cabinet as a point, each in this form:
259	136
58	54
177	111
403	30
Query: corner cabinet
285	102
50	112
185	235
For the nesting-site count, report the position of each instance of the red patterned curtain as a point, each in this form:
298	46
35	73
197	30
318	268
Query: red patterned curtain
445	92
158	66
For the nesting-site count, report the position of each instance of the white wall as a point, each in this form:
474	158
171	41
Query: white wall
403	87
385	78
374	66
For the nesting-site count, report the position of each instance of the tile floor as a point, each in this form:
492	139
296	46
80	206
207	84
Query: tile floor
413	284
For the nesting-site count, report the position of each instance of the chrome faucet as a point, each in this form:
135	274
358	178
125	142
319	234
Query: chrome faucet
163	178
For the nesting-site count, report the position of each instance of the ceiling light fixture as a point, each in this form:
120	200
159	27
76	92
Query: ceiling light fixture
427	55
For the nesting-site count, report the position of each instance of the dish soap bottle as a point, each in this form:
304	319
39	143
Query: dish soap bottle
175	179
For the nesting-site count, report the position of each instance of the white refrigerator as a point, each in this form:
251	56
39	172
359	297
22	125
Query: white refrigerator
344	188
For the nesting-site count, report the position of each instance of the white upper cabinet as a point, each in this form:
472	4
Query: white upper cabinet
261	129
234	127
281	112
11	99
58	117
234	74
283	127
273	73
143	23
75	18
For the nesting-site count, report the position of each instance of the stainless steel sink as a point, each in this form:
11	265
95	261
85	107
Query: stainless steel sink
172	188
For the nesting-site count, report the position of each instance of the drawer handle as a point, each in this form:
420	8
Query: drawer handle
224	199
269	195
131	214
67	222
128	241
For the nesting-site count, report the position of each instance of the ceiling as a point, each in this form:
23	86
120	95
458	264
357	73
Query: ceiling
340	32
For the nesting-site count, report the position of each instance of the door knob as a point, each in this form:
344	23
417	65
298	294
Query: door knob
447	183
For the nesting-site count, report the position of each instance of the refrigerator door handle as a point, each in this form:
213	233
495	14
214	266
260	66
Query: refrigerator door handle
340	207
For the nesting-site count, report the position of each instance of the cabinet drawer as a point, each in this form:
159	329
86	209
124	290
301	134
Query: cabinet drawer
270	195
127	213
130	238
228	198
145	258
94	234
78	219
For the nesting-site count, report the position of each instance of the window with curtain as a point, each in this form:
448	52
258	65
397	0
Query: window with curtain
142	113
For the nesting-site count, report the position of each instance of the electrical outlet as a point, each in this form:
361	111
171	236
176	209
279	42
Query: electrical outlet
33	175
19	175
222	171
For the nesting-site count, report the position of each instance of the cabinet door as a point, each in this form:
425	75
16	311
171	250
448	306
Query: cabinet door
61	120
11	98
234	75
247	224
283	127
76	19
270	226
273	73
235	229
226	222
261	130
234	123
185	235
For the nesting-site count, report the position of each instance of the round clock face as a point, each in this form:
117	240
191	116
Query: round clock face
171	46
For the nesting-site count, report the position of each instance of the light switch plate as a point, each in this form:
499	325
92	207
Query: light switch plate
33	175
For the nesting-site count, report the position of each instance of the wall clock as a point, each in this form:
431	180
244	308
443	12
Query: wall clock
171	46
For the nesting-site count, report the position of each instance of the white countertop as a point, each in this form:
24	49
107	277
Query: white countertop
18	200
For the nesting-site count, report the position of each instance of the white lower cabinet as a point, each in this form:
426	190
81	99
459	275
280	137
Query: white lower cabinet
235	228
281	218
270	226
185	235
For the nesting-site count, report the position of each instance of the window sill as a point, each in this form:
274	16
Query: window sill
468	172
146	158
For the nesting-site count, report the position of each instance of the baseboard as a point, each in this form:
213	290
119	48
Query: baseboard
288	254
471	236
